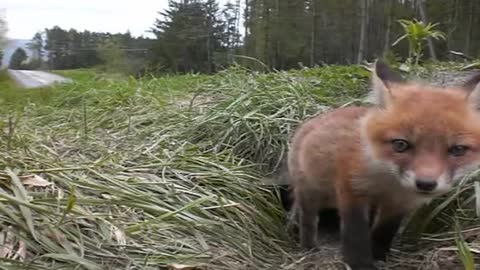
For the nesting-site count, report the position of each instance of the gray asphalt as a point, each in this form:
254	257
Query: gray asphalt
36	78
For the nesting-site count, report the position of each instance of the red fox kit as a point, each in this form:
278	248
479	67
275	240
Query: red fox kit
413	144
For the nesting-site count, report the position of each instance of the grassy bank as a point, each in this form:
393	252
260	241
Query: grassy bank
118	173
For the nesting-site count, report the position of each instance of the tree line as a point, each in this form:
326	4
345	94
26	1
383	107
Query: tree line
202	36
286	33
57	48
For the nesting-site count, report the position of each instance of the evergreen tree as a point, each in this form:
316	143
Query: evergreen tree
3	36
36	47
231	17
189	34
18	59
3	32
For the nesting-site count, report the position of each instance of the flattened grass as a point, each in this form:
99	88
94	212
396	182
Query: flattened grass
125	186
255	113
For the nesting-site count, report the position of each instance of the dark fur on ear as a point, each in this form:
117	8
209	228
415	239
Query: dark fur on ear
473	87
472	83
382	79
386	74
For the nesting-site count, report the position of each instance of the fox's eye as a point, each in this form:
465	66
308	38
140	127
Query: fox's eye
400	145
458	150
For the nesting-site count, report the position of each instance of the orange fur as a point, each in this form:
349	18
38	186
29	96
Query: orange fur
344	158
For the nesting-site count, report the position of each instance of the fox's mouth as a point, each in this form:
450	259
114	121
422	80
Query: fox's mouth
432	193
427	193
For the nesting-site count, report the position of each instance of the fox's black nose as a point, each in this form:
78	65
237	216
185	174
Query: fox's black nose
425	185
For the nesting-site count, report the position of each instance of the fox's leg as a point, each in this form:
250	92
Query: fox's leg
355	230
386	226
307	210
328	220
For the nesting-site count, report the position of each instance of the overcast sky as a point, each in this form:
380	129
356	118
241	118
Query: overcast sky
26	17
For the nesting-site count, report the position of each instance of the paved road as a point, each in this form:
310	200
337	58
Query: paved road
35	78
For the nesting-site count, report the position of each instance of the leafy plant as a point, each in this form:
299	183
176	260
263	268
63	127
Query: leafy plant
416	32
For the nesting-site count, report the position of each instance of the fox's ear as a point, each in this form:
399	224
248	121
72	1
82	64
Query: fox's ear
382	80
472	85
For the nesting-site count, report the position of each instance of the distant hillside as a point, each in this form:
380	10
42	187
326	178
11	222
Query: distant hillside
12	45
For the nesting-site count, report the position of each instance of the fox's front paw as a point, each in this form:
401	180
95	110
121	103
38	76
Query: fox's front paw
308	245
379	255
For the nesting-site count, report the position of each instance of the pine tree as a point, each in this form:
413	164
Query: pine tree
3	32
18	59
189	36
36	47
231	17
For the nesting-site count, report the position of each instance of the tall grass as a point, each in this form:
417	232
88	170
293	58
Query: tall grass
255	113
132	192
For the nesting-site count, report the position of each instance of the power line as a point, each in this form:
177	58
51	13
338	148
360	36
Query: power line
92	49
